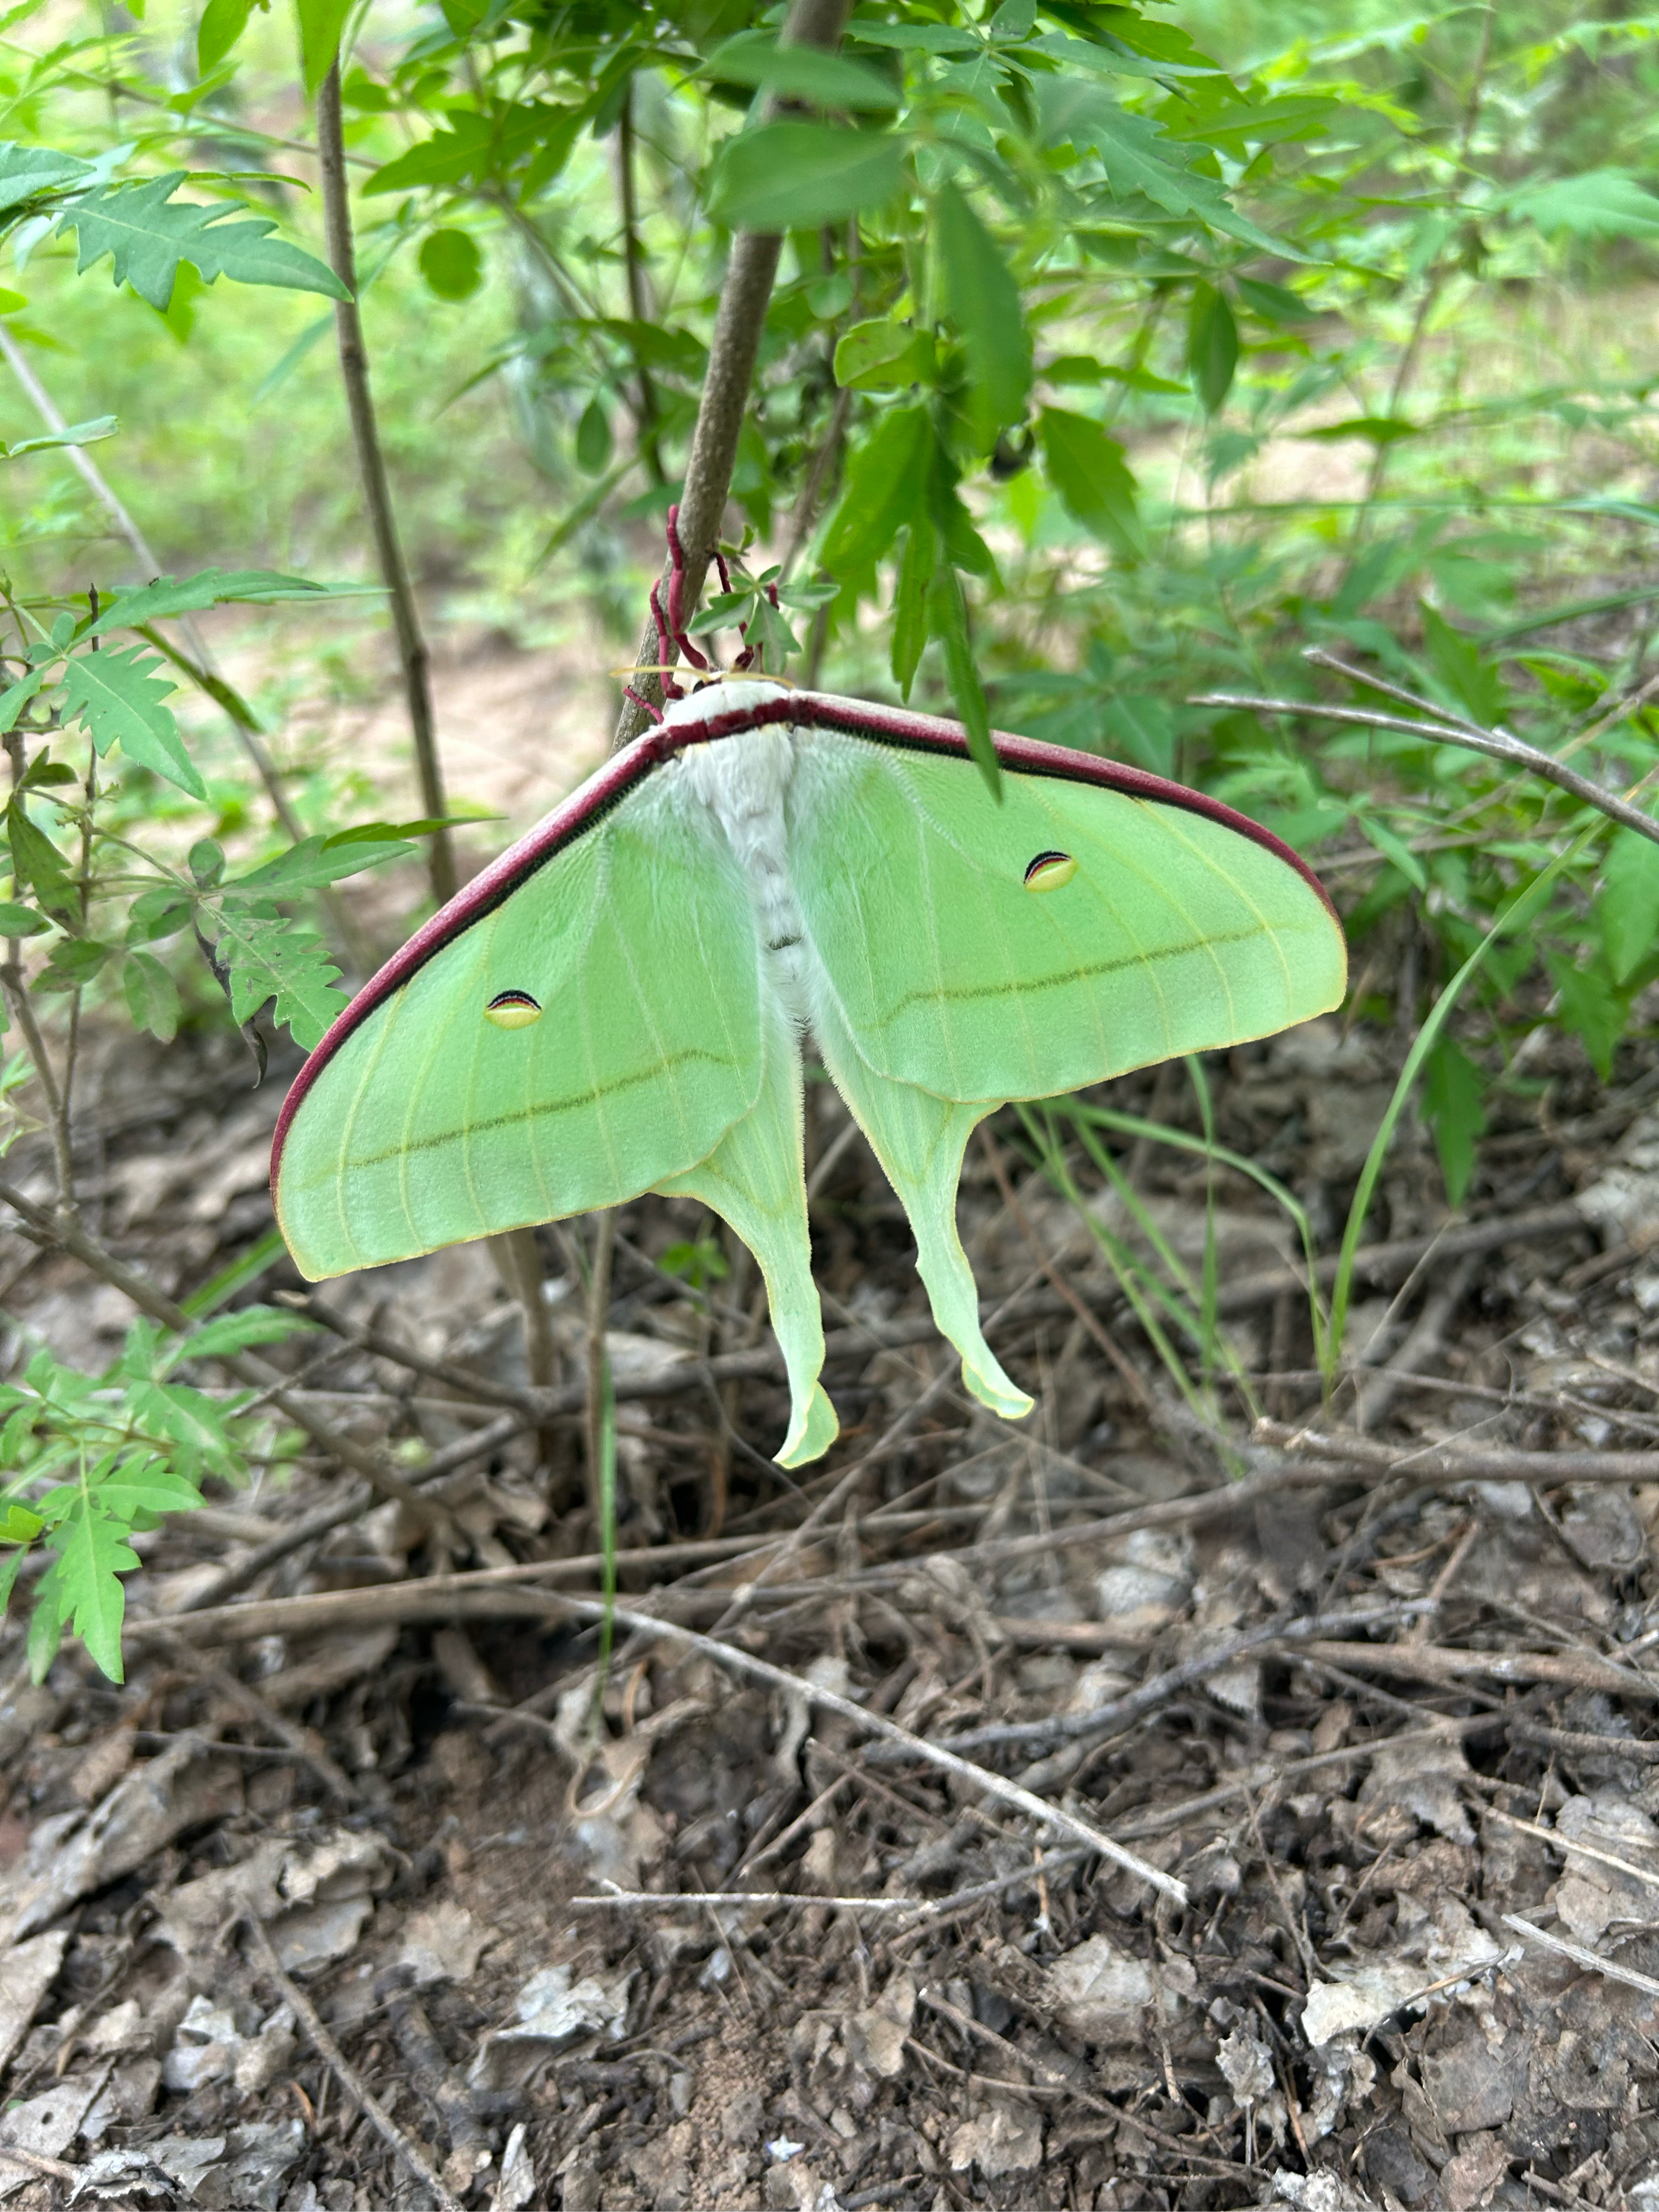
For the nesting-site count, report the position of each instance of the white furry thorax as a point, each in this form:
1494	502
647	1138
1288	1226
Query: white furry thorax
743	780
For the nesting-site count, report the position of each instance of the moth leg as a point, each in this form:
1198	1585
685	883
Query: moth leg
755	1179
920	1141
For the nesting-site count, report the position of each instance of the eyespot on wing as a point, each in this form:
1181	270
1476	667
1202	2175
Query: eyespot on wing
513	1010
1049	871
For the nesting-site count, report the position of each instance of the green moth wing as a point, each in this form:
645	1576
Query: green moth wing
1068	934
617	1005
582	1021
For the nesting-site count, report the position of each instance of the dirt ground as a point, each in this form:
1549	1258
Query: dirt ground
352	1880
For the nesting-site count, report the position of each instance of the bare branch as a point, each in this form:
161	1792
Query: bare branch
377	492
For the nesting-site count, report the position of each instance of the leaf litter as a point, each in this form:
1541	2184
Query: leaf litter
680	1938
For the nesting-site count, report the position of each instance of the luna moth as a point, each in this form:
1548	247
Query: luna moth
617	1005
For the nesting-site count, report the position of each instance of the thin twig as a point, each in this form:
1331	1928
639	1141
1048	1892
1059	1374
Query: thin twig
1581	1956
976	1778
1513	751
347	2075
377	492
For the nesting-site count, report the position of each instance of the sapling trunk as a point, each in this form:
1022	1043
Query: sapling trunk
412	652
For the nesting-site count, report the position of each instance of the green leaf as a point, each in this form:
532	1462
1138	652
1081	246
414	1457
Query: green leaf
148	1486
18	1526
796	176
1453	1090
166	596
152	995
268	957
1598	204
1474	682
156	912
121	700
1591	1007
880	355
317	861
184	1416
1394	849
33	173
803	73
236	1331
910	603
451	263
21	921
1211	346
93	1556
222	24
593	439
984	304
1628	910
1273	303
77	434
9	1566
947	619
321	22
147	236
1086	467
886	487
37	863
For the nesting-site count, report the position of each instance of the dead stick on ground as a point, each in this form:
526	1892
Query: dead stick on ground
377	492
347	2075
977	1778
1581	1956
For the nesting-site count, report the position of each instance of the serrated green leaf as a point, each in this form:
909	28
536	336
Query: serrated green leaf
168	596
1628	908
147	236
145	1486
984	304
182	1415
1453	1090
236	1331
121	700
1086	467
1591	1007
886	487
270	957
93	1556
947	619
152	995
18	1525
795	176
33	173
1474	682
1598	204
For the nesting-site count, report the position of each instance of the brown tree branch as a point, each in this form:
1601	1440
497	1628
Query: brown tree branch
750	275
377	493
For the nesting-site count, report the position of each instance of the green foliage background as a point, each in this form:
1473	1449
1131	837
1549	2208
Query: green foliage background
1119	354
